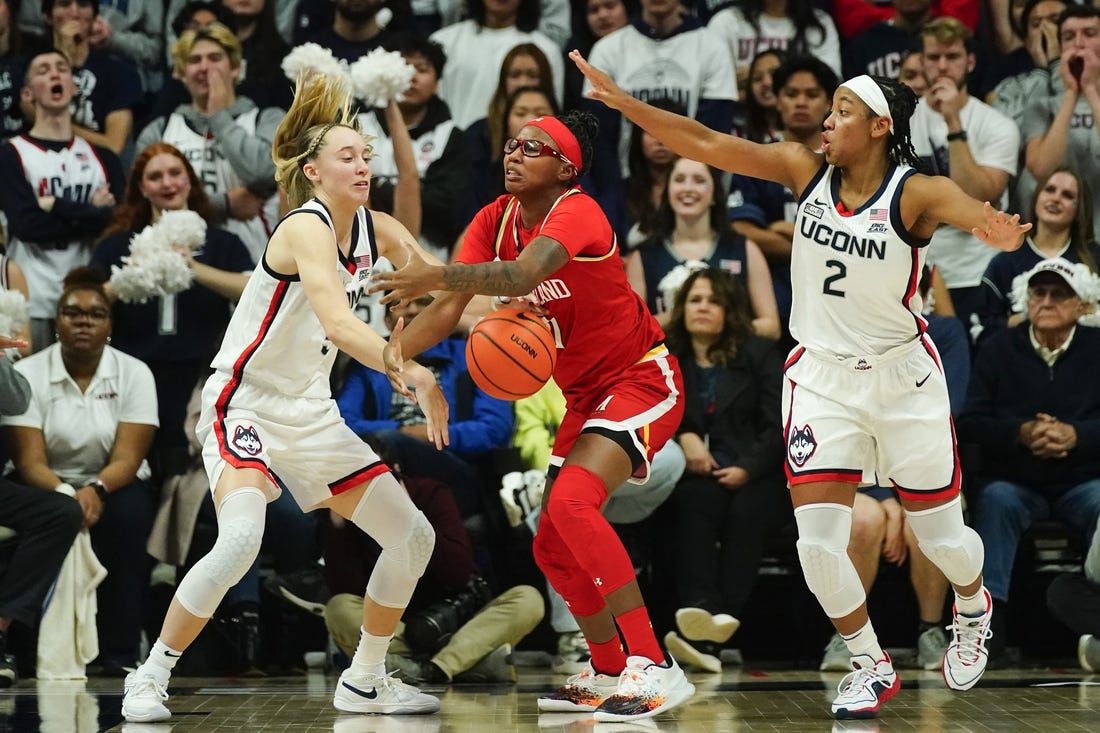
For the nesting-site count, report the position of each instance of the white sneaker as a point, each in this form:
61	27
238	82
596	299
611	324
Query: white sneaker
646	689
143	699
573	654
931	646
690	655
698	624
583	692
966	656
1088	653
837	657
865	688
385	694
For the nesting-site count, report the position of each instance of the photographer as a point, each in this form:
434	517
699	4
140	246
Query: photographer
451	618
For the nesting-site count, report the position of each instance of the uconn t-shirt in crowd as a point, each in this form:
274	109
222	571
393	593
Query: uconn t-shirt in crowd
47	244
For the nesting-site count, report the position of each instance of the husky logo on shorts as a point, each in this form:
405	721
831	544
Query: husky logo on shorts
248	440
801	445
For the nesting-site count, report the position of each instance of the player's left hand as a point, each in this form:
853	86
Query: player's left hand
407	283
429	395
393	361
603	88
1001	231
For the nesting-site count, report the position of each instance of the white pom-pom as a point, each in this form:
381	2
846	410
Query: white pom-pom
380	76
672	282
170	269
183	229
157	264
13	312
133	283
311	58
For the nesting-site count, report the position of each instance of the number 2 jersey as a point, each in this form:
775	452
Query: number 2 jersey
600	324
275	340
854	275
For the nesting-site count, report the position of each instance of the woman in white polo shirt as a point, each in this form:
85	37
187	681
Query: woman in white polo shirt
90	423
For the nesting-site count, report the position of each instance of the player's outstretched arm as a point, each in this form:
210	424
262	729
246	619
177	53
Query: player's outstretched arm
791	164
940	200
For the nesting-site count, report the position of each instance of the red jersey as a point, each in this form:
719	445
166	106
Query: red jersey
600	324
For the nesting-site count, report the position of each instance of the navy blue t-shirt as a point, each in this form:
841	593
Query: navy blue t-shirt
186	327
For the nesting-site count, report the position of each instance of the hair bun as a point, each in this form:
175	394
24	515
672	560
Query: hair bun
84	277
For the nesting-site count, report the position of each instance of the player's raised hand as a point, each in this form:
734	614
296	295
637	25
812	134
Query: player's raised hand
407	283
1001	230
603	89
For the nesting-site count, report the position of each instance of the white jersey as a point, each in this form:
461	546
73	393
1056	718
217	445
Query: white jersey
689	66
775	33
73	173
218	177
854	278
275	341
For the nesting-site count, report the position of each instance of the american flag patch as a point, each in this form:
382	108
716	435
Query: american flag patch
362	262
879	214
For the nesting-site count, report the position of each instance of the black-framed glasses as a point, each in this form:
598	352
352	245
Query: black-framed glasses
71	313
533	149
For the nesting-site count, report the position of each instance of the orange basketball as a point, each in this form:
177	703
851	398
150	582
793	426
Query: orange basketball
510	354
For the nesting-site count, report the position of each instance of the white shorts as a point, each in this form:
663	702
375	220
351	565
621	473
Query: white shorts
877	419
301	445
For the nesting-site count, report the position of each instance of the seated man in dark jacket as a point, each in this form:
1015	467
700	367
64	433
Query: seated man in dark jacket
1034	408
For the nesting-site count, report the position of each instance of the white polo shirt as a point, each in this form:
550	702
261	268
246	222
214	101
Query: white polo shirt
79	429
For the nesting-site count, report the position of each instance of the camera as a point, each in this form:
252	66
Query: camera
429	630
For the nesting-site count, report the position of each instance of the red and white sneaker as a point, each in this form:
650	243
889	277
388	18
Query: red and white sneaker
583	692
966	656
646	689
865	688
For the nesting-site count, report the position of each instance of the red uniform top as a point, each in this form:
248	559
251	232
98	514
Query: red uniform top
600	324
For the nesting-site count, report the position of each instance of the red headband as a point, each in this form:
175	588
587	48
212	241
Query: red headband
560	134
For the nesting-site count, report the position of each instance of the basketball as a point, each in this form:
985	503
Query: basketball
510	354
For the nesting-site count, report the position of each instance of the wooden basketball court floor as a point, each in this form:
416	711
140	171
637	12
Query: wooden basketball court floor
1048	700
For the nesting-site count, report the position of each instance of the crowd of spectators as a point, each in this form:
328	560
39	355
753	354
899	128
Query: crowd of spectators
114	113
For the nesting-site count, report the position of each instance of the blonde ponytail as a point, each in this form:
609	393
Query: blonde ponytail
321	102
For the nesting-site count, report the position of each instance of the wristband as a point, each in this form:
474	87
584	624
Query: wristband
100	489
953	136
66	489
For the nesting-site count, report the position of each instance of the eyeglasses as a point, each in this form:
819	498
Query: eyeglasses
533	149
72	313
1055	293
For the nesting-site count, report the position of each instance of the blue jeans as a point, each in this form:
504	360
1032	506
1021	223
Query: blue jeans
1005	511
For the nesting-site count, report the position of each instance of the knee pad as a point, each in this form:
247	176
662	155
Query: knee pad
405	535
823	534
576	491
954	548
240	533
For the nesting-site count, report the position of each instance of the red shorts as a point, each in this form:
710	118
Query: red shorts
640	411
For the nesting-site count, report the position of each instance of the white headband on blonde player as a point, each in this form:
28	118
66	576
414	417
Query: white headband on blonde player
868	90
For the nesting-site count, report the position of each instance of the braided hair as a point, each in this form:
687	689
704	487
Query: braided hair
584	127
902	101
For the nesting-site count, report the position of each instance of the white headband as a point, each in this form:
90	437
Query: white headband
871	93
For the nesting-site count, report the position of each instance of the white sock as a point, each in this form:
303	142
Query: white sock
370	655
162	660
864	642
971	605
